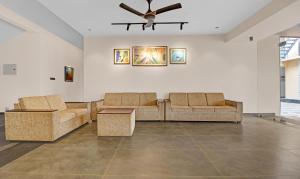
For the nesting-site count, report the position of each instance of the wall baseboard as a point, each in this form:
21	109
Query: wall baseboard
262	115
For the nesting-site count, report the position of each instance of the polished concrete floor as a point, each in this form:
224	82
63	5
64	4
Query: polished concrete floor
256	149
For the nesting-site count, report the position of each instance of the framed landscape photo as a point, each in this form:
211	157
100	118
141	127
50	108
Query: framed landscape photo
122	56
69	74
178	55
150	56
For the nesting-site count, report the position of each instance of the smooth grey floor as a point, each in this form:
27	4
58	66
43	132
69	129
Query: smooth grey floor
256	149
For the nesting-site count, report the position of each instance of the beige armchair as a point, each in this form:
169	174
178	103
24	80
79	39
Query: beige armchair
44	118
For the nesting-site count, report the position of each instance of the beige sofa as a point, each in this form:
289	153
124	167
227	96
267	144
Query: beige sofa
44	118
202	107
147	106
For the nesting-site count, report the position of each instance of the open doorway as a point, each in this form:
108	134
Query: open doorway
290	77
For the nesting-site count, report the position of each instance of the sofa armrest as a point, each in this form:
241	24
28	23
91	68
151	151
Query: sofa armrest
238	105
32	125
94	106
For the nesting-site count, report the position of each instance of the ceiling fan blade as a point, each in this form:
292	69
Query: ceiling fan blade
124	6
168	8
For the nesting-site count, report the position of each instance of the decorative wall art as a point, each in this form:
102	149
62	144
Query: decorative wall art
122	56
69	74
178	55
150	56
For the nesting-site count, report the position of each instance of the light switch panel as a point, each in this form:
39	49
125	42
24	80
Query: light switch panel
9	69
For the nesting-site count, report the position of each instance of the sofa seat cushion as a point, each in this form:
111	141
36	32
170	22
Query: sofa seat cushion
197	99
179	99
130	99
112	99
148	108
78	111
175	108
35	102
56	102
204	109
225	109
99	108
215	99
66	115
148	99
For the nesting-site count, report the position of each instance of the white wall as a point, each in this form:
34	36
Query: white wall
269	75
212	66
39	56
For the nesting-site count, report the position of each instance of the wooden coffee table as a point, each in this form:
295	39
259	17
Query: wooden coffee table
116	122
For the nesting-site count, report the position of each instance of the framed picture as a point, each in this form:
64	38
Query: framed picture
178	55
122	56
69	74
150	56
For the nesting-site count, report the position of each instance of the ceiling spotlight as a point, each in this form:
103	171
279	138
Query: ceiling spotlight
128	26
181	26
153	26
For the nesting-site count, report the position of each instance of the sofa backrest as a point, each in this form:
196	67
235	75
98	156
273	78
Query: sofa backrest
112	99
197	99
130	99
35	102
215	99
148	99
56	102
179	99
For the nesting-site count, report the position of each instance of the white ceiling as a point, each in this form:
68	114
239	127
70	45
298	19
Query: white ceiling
203	15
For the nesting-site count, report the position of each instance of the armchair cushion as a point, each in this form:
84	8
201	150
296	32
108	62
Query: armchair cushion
215	99
65	116
130	99
112	99
225	109
197	99
36	102
148	99
78	111
56	102
179	99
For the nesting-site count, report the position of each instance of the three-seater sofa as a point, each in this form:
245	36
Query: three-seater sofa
147	106
44	118
202	107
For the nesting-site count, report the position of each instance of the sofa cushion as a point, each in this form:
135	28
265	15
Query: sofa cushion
209	109
99	108
36	102
197	99
56	102
215	99
225	109
148	108
179	99
65	116
175	108
130	99
148	99
78	111
112	99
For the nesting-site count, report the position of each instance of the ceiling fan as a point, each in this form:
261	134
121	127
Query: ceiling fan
150	15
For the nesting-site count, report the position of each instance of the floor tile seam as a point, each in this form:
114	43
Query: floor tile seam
52	173
112	159
206	176
207	158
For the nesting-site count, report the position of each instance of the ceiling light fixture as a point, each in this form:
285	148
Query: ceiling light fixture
144	25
